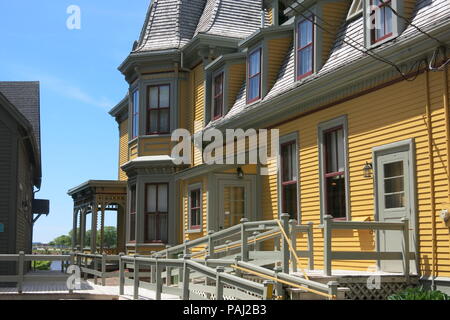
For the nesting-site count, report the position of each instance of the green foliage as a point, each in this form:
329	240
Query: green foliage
41	265
419	293
63	241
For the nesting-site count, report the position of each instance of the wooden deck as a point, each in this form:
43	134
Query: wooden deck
41	290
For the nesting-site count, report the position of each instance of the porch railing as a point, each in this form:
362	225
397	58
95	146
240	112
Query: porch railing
20	260
401	226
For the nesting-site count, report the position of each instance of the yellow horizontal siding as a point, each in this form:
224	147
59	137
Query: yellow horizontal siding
277	49
123	148
334	14
236	78
391	114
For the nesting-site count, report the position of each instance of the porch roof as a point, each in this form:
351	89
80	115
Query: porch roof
93	184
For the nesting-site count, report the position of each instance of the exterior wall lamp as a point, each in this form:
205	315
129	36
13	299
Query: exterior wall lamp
240	173
367	170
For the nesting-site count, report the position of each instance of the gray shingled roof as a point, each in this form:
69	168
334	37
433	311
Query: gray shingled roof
231	18
24	95
171	24
426	14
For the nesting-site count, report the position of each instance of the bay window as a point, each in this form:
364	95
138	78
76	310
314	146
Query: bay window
156	212
305	48
132	218
135	114
158	109
218	96
254	76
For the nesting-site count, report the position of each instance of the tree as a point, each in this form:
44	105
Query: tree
63	240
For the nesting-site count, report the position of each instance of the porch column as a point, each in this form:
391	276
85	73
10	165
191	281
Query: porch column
94	228
121	228
82	227
74	228
102	227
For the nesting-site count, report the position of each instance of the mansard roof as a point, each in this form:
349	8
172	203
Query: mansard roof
171	24
427	14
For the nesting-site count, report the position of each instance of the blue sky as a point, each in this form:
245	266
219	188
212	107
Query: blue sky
79	83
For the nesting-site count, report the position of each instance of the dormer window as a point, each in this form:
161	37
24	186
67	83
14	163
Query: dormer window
305	48
218	96
381	18
135	114
158	110
254	76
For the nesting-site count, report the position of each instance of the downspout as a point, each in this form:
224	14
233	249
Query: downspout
447	127
431	172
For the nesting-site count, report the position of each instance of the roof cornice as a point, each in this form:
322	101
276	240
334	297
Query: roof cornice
264	32
286	105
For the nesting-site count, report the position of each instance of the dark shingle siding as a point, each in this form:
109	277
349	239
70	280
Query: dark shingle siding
24	95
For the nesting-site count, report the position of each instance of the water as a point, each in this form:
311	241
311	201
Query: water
56	265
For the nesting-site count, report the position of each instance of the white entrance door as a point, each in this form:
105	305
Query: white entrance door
394	201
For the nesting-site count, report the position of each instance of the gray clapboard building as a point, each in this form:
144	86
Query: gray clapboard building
20	168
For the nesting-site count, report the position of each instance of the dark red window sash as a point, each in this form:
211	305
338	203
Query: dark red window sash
258	74
218	96
386	4
194	210
286	183
332	174
157	214
310	44
158	110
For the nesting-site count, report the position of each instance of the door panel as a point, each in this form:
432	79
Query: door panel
394	202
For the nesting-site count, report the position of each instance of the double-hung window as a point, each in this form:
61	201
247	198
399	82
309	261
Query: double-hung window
289	179
254	76
135	114
132	219
156	212
158	110
381	19
195	210
334	173
305	48
218	96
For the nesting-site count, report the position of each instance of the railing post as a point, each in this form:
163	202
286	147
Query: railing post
332	288
219	284
236	262
327	242
211	244
208	281
180	271
186	277
255	243
168	269
285	247
20	266
244	239
186	250
227	243
158	280
279	291
268	290
311	245
153	272
406	247
85	275
293	237
136	279
95	269
121	274
103	269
